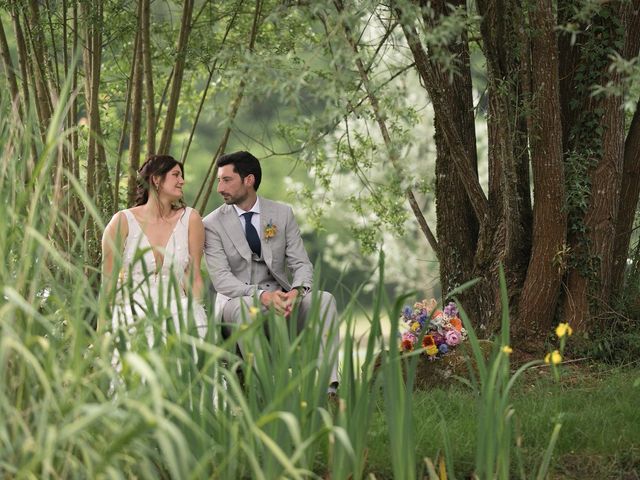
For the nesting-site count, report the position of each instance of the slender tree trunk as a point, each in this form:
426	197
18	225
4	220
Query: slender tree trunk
540	293
176	86
149	104
39	64
136	125
23	56
210	178
125	123
10	72
391	149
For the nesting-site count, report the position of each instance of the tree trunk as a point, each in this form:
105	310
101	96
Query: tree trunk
630	191
509	198
149	104
136	126
540	293
595	144
176	86
10	72
457	225
39	65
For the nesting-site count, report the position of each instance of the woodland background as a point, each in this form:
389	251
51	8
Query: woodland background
456	136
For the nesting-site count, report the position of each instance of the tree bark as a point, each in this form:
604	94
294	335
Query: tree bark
540	293
630	190
595	144
508	159
457	225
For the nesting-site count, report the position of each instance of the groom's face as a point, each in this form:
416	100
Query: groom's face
231	186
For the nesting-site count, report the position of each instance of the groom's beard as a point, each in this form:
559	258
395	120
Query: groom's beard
233	200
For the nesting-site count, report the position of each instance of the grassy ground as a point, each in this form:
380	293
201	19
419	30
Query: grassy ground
600	436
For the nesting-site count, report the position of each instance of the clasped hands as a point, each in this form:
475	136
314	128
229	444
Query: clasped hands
281	302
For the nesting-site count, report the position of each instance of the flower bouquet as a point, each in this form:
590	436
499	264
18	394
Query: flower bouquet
442	329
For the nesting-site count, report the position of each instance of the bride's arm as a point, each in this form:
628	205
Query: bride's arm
112	243
196	246
112	247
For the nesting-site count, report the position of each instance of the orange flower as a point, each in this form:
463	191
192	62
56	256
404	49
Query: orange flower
428	341
406	345
456	323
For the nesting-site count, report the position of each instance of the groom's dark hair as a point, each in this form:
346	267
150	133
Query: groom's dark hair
243	164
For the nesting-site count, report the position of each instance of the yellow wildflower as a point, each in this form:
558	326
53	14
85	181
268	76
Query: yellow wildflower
563	329
507	349
431	350
253	311
553	357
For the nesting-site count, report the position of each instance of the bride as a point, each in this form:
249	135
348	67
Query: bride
151	256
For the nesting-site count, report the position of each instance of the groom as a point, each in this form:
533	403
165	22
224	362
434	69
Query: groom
250	244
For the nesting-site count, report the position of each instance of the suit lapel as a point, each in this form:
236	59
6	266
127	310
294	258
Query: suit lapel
232	226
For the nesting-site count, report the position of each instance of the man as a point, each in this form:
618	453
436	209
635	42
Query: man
250	243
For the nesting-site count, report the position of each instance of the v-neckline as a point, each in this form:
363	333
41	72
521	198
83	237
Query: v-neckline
158	267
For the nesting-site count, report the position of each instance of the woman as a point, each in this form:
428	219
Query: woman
155	249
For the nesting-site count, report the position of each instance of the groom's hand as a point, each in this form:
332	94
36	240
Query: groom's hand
276	299
290	297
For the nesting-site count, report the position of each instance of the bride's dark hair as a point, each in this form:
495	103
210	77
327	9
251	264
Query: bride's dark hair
155	166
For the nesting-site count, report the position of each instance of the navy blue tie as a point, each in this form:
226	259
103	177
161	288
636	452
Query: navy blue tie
253	239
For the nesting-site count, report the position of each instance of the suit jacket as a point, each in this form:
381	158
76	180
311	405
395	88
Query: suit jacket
232	267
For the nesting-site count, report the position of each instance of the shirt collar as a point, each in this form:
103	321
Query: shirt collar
254	209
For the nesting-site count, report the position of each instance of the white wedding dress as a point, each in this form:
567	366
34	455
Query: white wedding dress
151	297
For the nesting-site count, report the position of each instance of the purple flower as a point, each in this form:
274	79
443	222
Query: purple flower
451	310
407	312
439	338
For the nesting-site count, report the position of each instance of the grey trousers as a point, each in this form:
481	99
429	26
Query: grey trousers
232	313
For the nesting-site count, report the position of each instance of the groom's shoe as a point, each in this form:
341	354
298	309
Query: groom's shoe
332	392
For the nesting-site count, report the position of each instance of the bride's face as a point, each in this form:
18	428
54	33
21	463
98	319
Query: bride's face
171	184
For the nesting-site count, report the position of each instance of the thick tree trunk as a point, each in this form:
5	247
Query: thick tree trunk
457	225
595	158
628	202
540	293
508	158
630	191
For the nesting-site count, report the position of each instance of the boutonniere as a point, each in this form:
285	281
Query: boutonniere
270	230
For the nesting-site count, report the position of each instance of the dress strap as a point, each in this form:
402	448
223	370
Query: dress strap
134	226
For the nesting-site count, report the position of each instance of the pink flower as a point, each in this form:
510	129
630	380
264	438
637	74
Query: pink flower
453	337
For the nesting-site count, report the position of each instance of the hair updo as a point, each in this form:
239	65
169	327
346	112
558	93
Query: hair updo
155	166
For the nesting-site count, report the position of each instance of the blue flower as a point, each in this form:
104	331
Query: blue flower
443	348
407	312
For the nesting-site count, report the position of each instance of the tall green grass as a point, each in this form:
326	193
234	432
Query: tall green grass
166	412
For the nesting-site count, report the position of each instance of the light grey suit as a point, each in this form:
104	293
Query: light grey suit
238	274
